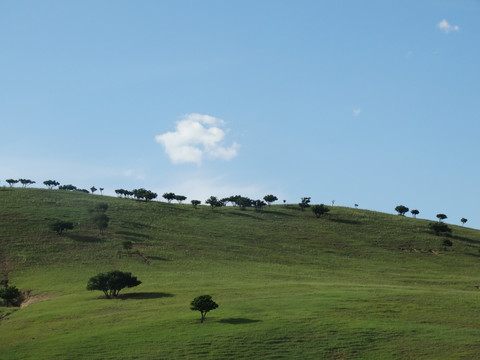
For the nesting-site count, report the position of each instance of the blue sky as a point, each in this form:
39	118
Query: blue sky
374	103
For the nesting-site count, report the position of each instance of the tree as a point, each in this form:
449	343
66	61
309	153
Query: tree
270	199
120	192
319	210
112	282
93	189
463	220
60	226
169	197
26	182
231	199
195	203
10	295
439	228
127	245
447	242
101	207
415	212
101	221
243	202
11	182
69	187
101	191
204	304
180	198
304	203
258	204
441	217
144	194
214	202
402	210
51	183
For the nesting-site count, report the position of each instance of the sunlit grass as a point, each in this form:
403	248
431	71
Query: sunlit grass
353	284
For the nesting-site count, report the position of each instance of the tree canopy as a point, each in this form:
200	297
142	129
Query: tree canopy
169	196
319	210
204	304
51	183
441	217
9	294
401	210
112	282
60	226
270	199
304	203
439	228
214	202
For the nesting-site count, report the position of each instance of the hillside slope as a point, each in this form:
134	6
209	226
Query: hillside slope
352	284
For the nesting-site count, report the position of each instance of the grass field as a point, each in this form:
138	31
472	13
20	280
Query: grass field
354	284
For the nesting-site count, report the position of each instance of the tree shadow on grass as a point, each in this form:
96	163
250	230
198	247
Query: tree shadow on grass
238	321
133	234
265	210
462	238
159	258
243	213
345	221
84	238
144	296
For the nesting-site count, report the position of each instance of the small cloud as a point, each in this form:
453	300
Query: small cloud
197	136
446	27
357	111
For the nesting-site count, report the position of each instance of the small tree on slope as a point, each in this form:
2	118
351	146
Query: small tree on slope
204	304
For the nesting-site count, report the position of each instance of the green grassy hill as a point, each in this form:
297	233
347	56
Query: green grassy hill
354	284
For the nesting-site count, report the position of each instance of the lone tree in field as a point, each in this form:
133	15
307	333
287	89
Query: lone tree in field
270	199
441	217
60	226
204	304
10	295
319	210
463	220
112	282
195	203
401	210
415	212
93	189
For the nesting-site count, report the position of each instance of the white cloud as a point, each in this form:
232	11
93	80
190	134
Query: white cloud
446	27
197	136
357	111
